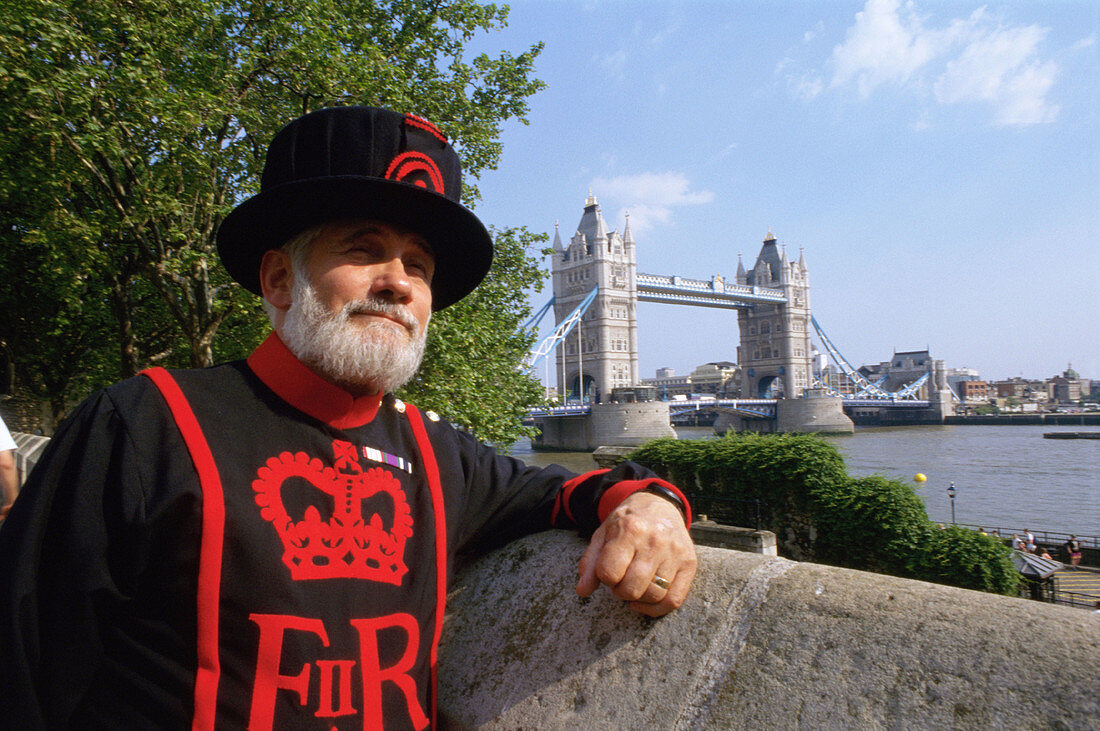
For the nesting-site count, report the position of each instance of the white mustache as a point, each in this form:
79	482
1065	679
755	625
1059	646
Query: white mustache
376	306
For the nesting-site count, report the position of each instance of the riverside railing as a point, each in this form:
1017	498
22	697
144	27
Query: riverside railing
1052	539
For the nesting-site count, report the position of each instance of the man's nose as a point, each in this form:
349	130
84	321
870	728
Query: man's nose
391	281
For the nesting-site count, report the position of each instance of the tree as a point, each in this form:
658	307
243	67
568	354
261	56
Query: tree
131	127
470	369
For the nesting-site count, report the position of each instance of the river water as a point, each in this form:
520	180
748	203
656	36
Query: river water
1005	476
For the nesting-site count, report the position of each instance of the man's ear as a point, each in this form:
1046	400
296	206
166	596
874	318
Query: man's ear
276	278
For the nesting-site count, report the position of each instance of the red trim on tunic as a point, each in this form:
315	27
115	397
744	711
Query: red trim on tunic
306	391
566	492
431	471
622	490
210	555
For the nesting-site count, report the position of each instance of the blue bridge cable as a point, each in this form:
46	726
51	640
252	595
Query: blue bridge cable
533	323
866	387
562	330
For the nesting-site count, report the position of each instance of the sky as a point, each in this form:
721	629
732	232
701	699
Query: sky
937	163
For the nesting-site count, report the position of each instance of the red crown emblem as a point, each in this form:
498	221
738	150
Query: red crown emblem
347	545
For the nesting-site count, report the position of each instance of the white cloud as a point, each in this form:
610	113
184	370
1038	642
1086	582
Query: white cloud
971	59
814	32
1086	42
805	87
650	198
614	63
888	45
1001	67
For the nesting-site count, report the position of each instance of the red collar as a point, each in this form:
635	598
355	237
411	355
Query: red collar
295	383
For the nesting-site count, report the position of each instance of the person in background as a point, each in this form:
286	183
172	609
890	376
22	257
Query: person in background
9	474
1073	551
1029	540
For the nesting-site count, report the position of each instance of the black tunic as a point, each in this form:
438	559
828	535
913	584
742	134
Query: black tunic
316	588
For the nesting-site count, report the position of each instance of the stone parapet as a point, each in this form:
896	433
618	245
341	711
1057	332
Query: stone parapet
762	642
709	533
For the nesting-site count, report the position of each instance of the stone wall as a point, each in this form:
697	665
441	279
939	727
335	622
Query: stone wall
762	642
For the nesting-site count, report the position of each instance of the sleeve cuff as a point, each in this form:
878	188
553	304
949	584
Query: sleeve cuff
622	490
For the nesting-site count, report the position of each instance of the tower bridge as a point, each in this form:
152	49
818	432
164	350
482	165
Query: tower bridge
596	289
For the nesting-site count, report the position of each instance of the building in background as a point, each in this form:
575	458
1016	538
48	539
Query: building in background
775	353
1066	388
720	379
972	391
602	352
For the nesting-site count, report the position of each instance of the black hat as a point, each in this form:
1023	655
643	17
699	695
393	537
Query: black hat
361	162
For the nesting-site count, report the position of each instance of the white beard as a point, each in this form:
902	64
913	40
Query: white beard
375	356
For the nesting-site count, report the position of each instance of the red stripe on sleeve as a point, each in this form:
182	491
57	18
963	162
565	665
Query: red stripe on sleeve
210	555
622	490
566	492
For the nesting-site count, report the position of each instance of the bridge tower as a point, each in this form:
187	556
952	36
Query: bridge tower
606	349
775	354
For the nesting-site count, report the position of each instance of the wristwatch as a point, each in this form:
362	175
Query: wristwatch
672	497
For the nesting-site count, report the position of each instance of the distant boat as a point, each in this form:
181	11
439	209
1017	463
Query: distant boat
1071	435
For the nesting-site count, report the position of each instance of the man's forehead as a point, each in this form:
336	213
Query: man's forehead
353	230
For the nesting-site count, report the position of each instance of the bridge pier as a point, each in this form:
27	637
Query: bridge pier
611	425
731	421
814	412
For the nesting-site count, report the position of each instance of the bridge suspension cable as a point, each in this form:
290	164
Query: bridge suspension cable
537	317
563	329
866	388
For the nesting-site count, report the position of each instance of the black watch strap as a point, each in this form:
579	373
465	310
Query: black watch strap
669	495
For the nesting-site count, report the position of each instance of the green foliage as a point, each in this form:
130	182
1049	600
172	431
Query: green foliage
772	475
129	130
870	523
470	372
819	513
966	558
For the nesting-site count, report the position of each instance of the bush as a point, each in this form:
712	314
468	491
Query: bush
774	474
870	523
966	558
819	513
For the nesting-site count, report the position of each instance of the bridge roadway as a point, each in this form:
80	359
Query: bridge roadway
716	292
762	408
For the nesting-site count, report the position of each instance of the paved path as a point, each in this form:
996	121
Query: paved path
1079	587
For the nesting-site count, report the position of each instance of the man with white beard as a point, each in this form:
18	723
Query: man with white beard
373	354
267	543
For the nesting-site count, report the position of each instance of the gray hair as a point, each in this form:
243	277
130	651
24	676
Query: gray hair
297	249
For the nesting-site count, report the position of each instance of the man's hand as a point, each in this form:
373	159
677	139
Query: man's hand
641	539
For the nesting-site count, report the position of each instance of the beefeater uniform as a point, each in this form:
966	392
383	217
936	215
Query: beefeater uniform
250	546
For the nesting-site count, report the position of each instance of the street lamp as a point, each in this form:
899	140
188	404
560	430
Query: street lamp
951	494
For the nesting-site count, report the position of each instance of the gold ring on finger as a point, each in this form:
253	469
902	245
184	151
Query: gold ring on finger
662	582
